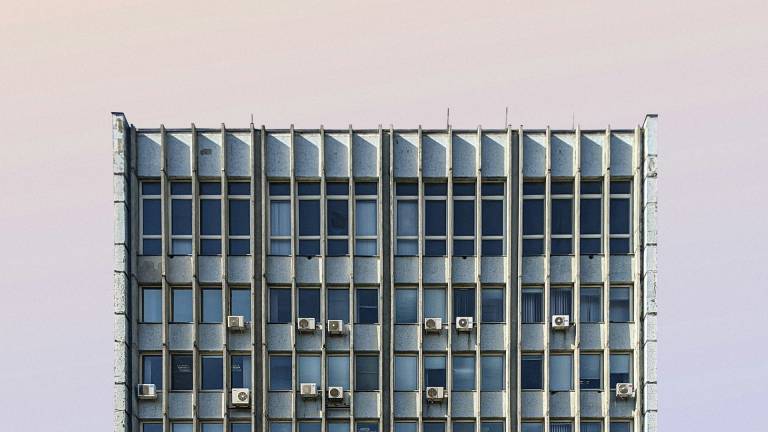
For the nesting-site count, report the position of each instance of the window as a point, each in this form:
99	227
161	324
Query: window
492	372
562	218
367	306
620	369
280	372
305	426
463	426
493	305
152	427
406	372
406	426
152	370
181	427
309	219
279	305
338	304
151	305
560	427
151	215
464	219
366	218
211	305
407	215
591	427
239	427
434	303
532	427
620	308
434	427
338	371
463	302
280	218
309	303
492	426
338	426
210	218
309	369
591	308
240	372
435	218
366	372
280	427
181	372
337	208
239	218
621	426
590	371
406	304
367	427
213	372
181	218
531	372
493	219
181	305
621	217
591	217
240	302
212	427
533	305
533	218
434	371
463	373
560	372
561	301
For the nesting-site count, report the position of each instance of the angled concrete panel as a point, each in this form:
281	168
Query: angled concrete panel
209	155
493	147
365	155
465	148
336	155
406	155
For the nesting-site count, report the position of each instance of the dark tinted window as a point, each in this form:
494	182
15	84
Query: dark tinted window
308	189
531	372
337	188
309	217
240	300
152	371
211	305
367	306
150	188
279	305
181	372
591	187
464	189
239	217
309	303
619	216
284	189
181	212
338	217
492	189
213	373
561	188
240	373
493	304
533	305
406	189
151	217
367	372
239	188
210	188
533	188
435	189
533	217
406	305
338	304
621	187
279	372
464	218
366	188
493	218
434	218
590	217
181	188
210	217
463	302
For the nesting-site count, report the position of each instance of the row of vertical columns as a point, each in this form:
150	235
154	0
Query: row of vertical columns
605	336
577	278
256	273
478	286
323	284
511	271
422	246
636	209
449	274
260	368
547	257
225	291
165	289
294	247
195	282
385	274
517	275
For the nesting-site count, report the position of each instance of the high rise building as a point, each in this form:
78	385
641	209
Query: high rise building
384	279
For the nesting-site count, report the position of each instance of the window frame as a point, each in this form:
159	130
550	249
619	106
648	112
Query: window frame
489	197
533	197
326	205
414	199
366	237
357	305
444	238
617	196
358	377
462	198
239	197
272	198
561	196
630	306
270	378
203	357
209	197
144	197
180	237
591	196
143	377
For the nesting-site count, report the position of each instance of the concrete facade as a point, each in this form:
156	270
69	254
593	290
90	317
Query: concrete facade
513	159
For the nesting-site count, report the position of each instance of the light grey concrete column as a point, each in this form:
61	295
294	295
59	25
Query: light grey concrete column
606	334
516	252
385	275
649	272
166	243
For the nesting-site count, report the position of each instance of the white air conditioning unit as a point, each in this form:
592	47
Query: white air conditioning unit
464	324
241	397
435	394
336	393
146	391
236	322
305	324
560	322
433	325
308	390
625	390
335	327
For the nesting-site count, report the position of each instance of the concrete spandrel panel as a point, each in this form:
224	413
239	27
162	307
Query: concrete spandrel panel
562	339
432	410
309	341
621	336
463	403
591	269
150	337
209	269
148	160
463	270
405	155
492	270
180	337
239	269
209	154
533	269
308	270
336	153
464	154
406	404
309	408
463	341
532	403
591	336
210	337
534	154
180	269
406	337
307	154
337	270
366	270
592	145
179	154
365	155
339	410
406	269
621	153
367	404
532	337
149	269
279	269
621	407
492	404
338	342
492	337
621	268
591	403
494	155
151	409
279	337
279	404
241	341
366	337
436	341
434	162
563	145
239	154
180	405
277	155
434	270
562	403
210	404
561	269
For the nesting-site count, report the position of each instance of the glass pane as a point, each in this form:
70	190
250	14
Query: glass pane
151	247
492	189
309	217
493	304
562	216
182	305
406	373
560	427
181	427
533	188
407	247
279	305
241	371
592	427
492	427
591	310
492	248
561	301
239	247
620	364
621	187
533	304
278	189
367	373
591	246
367	427
463	248
150	188
365	218
338	247
561	188
338	371
434	248
434	371
406	427
407	189
463	302
492	373
435	189
240	217
181	188
338	217
591	187
240	427
309	427
337	188
589	371
280	218
406	304
407	218
241	303
280	247
213	373
210	247
181	217
434	303
560	373
309	303
280	427
152	371
532	247
463	427
309	247
463	218
434	220
619	216
210	217
532	427
619	305
338	304
366	188
561	246
463	373
309	188
152	310
151	217
309	369
493	217
365	248
338	426
211	299
181	372
279	373
533	217
152	427
531	372
181	247
239	188
464	189
590	218
619	246
367	306
434	427
620	427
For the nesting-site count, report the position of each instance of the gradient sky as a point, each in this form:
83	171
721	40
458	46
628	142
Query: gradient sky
702	66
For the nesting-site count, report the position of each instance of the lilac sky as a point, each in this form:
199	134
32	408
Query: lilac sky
701	65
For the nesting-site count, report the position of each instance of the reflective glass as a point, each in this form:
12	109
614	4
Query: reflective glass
279	372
